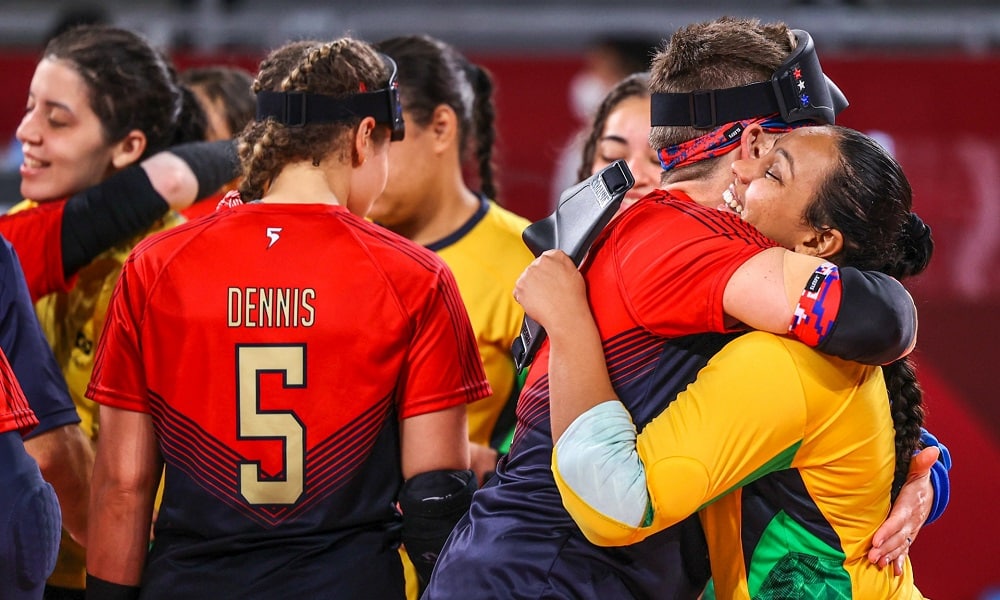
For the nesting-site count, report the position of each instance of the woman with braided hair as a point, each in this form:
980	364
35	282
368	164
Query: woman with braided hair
790	455
620	130
300	372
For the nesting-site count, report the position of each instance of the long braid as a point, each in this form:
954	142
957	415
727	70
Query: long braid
864	197
483	117
914	248
906	399
257	161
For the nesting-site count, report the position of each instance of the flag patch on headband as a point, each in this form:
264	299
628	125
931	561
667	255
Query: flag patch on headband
800	86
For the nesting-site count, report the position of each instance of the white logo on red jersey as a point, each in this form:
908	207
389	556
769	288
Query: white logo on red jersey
272	234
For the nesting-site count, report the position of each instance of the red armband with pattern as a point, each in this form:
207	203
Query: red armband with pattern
818	306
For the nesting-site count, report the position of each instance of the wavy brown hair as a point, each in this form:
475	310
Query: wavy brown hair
339	68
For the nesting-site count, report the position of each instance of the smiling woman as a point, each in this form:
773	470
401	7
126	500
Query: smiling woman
773	192
101	99
88	116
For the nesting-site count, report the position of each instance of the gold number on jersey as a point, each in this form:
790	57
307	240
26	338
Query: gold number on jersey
251	361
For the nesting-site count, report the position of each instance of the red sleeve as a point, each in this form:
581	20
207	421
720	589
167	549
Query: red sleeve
15	414
674	259
119	378
443	367
36	235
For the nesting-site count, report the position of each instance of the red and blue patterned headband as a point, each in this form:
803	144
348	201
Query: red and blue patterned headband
719	141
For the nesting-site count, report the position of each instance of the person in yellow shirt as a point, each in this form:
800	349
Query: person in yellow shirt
789	454
448	106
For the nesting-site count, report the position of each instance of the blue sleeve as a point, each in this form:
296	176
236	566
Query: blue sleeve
30	522
939	475
31	358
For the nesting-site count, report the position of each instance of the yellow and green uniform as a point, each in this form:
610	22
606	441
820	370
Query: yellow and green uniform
487	255
788	454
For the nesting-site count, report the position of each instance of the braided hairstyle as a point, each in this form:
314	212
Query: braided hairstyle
340	68
131	84
868	199
432	73
633	86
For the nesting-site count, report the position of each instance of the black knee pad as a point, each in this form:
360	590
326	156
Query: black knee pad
30	527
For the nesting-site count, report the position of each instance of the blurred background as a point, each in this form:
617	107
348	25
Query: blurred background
921	75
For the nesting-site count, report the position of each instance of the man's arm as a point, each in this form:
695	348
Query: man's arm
857	315
126	473
553	292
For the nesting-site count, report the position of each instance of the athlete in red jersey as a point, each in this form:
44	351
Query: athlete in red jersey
297	369
15	414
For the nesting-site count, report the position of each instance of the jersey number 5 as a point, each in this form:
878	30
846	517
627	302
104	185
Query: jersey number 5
290	361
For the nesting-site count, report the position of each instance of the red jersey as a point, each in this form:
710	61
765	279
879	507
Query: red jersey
656	274
15	414
36	235
669	260
276	347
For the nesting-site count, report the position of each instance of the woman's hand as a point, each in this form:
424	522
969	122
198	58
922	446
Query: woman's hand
552	291
893	539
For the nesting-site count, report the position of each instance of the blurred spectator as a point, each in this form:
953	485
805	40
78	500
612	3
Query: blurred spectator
229	104
225	96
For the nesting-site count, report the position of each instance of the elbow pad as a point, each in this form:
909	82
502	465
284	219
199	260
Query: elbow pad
939	476
214	164
876	323
107	214
432	503
597	466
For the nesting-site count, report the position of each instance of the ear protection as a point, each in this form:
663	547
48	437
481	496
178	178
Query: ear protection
798	91
296	109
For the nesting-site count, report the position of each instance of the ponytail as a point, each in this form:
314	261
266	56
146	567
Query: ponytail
483	117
